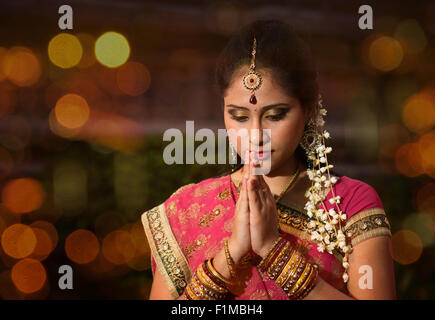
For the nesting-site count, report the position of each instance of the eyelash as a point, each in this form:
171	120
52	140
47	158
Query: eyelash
275	117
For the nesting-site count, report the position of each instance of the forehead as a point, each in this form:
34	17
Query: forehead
269	91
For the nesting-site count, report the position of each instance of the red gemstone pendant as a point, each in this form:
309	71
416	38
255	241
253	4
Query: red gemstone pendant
253	99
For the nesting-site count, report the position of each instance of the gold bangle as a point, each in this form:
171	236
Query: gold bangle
201	291
280	261
198	286
301	280
296	274
191	292
264	261
313	281
304	284
208	282
292	276
217	274
230	261
288	268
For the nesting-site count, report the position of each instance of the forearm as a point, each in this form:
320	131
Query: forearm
324	291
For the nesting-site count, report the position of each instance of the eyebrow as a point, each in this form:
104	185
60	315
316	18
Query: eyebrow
265	108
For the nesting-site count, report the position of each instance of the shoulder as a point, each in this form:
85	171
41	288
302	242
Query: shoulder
357	195
366	217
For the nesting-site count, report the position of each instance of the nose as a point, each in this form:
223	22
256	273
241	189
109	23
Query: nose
258	137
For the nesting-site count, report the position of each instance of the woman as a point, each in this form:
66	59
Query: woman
255	236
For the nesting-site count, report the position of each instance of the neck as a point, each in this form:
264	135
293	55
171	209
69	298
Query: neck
278	179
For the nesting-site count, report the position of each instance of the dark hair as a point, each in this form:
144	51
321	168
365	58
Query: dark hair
279	50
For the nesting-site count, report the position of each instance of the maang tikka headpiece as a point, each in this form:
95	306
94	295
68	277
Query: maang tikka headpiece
252	81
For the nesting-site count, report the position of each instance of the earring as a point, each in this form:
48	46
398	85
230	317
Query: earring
310	141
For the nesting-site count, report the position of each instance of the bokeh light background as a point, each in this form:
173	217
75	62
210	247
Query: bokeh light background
82	113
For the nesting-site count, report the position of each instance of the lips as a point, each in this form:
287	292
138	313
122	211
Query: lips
261	155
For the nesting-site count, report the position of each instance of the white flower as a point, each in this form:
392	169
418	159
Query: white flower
321	229
330	247
320	122
340	235
334	221
327	183
345	277
328	150
310	174
333	180
323	111
322	159
326	134
328	226
345	265
343	216
320	247
311	224
332	212
346	249
314	235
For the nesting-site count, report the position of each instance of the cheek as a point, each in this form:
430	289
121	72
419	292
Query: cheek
241	140
288	134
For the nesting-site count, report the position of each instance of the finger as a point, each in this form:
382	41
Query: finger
254	196
253	169
244	195
265	188
244	200
246	165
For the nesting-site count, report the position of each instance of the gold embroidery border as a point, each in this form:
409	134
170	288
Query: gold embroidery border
366	216
285	224
166	250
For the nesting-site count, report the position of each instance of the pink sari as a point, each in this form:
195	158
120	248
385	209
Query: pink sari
192	224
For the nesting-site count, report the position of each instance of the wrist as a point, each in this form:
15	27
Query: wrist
234	252
268	245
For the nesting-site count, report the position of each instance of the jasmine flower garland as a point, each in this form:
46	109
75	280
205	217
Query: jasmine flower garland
326	227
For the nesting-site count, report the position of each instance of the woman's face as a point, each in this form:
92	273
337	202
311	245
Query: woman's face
275	110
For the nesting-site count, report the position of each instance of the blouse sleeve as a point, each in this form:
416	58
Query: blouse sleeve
366	215
167	255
